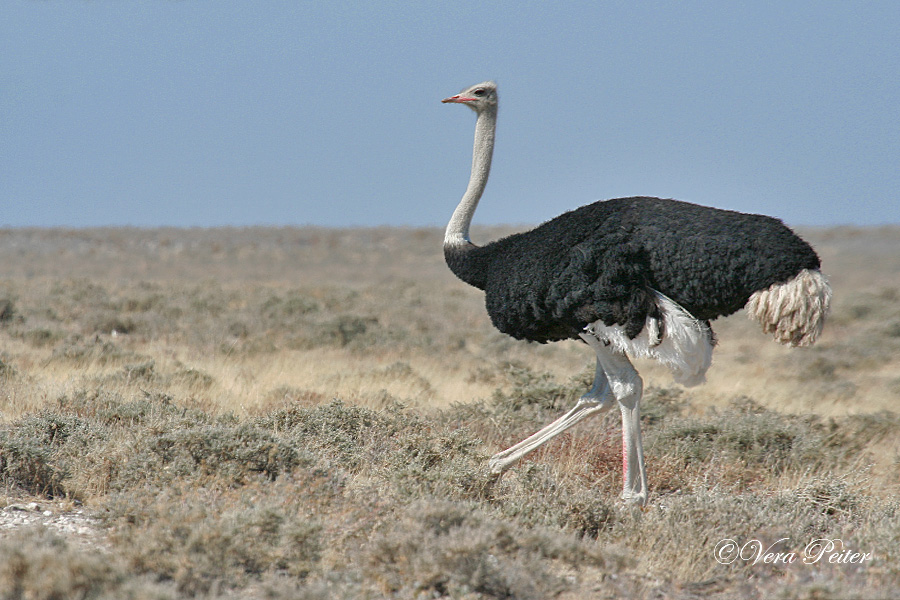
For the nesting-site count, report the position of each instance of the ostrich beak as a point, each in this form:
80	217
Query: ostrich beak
459	99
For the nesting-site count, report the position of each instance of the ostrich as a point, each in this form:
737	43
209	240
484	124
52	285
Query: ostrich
631	276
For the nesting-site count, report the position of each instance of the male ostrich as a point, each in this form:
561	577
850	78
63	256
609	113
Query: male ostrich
638	276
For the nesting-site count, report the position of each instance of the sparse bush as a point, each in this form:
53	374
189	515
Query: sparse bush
659	405
108	322
277	309
446	549
294	396
39	565
38	453
530	389
92	350
42	337
539	497
6	370
347	329
144	371
28	464
746	433
7	310
443	463
194	378
227	451
205	542
831	496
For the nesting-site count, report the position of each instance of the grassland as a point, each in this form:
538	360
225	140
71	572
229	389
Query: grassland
307	413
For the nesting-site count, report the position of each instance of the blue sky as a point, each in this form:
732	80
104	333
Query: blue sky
289	113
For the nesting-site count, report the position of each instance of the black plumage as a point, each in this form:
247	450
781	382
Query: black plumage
603	261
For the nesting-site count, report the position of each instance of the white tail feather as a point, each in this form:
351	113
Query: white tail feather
793	311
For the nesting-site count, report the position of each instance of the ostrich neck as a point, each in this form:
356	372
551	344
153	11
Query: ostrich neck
457	233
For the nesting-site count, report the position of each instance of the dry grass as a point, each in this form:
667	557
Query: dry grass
306	413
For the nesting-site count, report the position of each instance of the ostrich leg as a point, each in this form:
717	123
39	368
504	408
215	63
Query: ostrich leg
597	400
627	388
614	378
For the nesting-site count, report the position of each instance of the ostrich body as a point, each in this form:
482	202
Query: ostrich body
631	276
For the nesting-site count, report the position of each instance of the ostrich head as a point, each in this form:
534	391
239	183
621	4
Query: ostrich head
477	97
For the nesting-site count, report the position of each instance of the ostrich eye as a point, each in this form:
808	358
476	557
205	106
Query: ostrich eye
479	92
